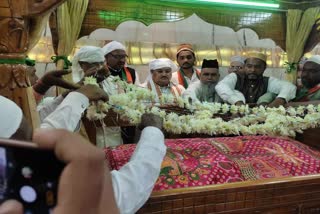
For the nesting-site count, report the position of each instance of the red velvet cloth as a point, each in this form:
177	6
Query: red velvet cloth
205	161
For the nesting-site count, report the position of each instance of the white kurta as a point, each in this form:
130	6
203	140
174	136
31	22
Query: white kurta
193	89
226	89
107	136
134	182
193	79
164	90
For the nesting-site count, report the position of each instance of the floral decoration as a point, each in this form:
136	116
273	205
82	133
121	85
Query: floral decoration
205	118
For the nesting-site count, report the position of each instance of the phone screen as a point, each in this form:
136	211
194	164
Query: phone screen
30	176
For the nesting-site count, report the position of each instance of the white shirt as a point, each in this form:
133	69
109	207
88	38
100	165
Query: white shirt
226	89
191	92
134	182
193	79
105	136
59	113
164	90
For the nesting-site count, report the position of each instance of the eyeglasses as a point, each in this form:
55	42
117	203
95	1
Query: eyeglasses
118	57
236	67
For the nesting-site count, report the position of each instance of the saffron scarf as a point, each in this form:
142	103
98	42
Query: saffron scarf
181	77
175	90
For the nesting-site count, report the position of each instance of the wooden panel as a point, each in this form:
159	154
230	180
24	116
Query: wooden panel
288	195
5	12
4	3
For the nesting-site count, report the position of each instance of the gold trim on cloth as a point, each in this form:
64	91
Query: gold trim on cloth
247	170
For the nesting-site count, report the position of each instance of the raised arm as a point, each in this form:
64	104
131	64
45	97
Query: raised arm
134	182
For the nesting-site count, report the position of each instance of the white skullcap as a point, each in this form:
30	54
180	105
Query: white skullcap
112	46
315	59
162	63
10	117
85	54
303	60
237	59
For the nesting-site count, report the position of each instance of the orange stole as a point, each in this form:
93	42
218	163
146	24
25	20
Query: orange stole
180	77
175	90
128	75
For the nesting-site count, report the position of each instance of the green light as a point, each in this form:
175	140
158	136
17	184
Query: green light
248	3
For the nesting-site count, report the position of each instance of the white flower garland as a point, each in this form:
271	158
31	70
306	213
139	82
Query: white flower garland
203	118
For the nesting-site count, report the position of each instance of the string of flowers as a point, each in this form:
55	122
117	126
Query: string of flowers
203	116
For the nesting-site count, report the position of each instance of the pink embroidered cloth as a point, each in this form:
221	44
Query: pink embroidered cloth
204	161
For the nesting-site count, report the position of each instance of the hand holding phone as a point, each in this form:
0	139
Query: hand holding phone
85	181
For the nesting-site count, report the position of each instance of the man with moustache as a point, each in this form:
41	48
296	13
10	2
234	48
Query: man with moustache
204	90
310	78
236	65
253	85
186	74
116	58
159	79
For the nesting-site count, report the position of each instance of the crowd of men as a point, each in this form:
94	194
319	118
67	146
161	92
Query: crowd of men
130	187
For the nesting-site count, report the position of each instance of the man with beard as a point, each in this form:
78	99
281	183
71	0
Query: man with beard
187	73
253	84
159	79
236	65
116	58
310	78
204	90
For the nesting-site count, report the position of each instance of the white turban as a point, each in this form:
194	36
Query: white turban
237	59
112	46
315	59
162	63
10	117
85	54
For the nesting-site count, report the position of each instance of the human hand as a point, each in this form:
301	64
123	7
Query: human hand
100	73
11	207
85	184
149	119
53	78
277	102
93	92
239	103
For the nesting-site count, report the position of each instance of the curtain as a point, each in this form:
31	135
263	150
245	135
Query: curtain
37	26
299	26
69	21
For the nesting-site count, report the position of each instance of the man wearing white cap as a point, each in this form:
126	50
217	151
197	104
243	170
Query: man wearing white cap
187	73
310	78
253	85
133	183
88	61
236	65
159	79
13	124
116	58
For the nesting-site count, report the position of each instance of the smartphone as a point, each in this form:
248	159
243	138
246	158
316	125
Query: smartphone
30	175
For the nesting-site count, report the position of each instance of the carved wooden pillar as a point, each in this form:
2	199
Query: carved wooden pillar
16	26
